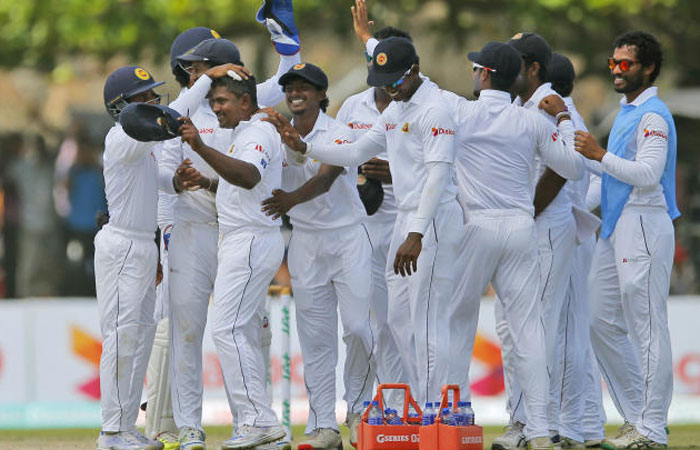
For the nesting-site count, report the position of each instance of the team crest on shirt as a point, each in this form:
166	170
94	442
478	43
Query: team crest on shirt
405	128
381	59
652	133
439	131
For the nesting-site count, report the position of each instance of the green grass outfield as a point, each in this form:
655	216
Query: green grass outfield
681	437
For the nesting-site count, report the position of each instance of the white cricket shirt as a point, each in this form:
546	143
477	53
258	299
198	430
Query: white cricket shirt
131	181
341	205
255	142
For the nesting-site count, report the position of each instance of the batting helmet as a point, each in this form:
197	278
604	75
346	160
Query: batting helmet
187	40
123	84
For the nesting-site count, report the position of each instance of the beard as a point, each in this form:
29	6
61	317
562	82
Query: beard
632	83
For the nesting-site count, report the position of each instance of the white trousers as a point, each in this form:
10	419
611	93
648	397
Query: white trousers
555	248
193	264
331	271
419	304
500	247
390	367
125	271
629	287
248	260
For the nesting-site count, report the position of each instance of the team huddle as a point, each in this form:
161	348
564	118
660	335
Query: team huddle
452	195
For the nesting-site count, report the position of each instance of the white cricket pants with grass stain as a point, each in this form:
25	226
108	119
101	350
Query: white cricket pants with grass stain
125	274
390	367
419	304
248	260
629	286
331	271
500	247
193	263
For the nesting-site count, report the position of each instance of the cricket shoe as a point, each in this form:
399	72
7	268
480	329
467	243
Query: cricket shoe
122	440
148	444
277	445
278	17
512	439
565	442
632	440
353	422
169	439
540	443
592	443
192	439
323	439
249	436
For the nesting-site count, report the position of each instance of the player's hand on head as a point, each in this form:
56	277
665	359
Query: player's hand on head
224	69
552	104
587	145
360	21
189	133
377	169
289	135
406	260
278	205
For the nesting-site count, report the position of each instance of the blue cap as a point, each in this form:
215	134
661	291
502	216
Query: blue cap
216	51
146	122
124	83
307	71
392	57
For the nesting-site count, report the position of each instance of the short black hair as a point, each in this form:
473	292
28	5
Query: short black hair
563	88
647	47
238	88
392	32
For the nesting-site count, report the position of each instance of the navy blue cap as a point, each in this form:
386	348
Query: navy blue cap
560	69
307	71
216	51
392	57
124	83
146	122
533	47
189	39
503	59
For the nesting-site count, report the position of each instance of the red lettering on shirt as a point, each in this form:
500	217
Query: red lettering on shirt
555	136
438	131
341	141
390	126
360	126
206	130
657	133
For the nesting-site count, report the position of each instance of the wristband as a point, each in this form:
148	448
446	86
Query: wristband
561	114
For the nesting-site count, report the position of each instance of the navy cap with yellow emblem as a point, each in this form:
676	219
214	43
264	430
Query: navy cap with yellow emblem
392	57
306	71
123	84
146	123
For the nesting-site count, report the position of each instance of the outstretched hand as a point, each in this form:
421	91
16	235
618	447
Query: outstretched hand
278	205
289	135
360	21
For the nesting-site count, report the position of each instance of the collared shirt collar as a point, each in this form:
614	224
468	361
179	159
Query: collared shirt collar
648	93
368	99
538	95
494	96
421	93
323	123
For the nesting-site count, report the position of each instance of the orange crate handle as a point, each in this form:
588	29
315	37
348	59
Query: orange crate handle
407	400
443	403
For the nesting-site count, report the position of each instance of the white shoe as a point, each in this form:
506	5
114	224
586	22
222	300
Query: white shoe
122	440
278	445
149	444
632	439
169	439
512	439
249	436
592	443
192	439
323	439
353	422
565	442
540	443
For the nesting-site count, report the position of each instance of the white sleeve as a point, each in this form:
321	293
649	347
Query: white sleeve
269	91
593	194
565	161
189	100
170	159
646	169
438	175
124	148
351	154
370	45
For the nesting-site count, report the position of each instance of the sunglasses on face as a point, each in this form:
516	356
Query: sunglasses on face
400	81
479	66
625	64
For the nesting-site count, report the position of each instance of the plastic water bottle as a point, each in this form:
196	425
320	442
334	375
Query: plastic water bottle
460	415
446	417
469	412
428	414
374	417
391	417
365	405
413	416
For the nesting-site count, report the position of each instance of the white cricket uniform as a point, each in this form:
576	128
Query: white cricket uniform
630	279
498	143
194	244
330	265
251	249
418	136
360	112
125	268
556	237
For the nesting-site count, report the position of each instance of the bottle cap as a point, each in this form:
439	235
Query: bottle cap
445	410
469	403
375	403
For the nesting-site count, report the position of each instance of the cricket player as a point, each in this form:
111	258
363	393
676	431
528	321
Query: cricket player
126	258
329	261
630	279
418	133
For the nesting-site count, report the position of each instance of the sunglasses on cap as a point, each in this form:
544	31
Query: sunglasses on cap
479	66
400	81
625	64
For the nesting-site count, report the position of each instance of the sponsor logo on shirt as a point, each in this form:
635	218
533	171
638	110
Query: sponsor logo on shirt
438	131
206	130
263	163
360	126
341	141
658	133
555	136
390	126
405	128
259	148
